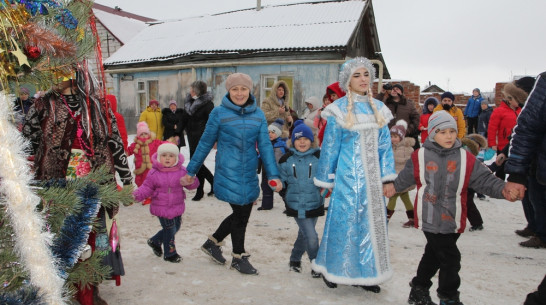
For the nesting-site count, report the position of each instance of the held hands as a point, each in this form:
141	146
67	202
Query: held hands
388	190
187	180
513	191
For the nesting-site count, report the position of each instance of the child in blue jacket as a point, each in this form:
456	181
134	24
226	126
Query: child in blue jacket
303	200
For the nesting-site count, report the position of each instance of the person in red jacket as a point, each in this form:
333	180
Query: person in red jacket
119	119
334	92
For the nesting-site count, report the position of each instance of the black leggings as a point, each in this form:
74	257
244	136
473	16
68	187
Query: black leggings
235	224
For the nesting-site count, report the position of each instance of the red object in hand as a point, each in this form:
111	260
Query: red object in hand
273	183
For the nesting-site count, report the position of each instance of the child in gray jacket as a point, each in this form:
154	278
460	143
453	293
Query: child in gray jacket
443	171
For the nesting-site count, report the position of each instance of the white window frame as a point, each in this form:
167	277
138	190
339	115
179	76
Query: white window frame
275	77
145	91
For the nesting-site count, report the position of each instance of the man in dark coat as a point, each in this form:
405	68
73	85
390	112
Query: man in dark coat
173	122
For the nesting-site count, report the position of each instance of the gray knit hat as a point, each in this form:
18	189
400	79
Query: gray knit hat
440	120
350	66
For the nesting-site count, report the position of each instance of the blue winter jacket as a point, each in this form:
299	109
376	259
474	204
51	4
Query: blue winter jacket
473	107
236	130
527	154
297	170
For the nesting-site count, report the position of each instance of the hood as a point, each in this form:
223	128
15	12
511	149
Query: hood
335	87
249	108
430	100
159	167
113	102
313	100
283	84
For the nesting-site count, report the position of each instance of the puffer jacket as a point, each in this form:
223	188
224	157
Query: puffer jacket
154	121
502	121
297	170
457	114
163	185
236	129
473	107
527	154
440	203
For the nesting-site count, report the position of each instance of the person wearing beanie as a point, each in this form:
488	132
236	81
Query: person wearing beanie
447	103
237	127
402	148
428	108
279	149
472	111
356	206
443	172
165	186
277	106
198	106
119	119
302	199
503	118
143	147
173	123
404	109
154	118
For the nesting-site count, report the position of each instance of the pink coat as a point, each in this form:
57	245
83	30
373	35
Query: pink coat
163	186
150	150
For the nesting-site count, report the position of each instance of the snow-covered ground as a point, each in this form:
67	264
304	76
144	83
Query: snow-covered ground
495	269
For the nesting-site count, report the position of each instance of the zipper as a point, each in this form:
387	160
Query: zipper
310	168
294	170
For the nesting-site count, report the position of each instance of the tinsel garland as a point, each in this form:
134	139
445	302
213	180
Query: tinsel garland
22	297
70	242
21	201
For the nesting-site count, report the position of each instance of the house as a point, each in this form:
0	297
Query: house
115	28
302	44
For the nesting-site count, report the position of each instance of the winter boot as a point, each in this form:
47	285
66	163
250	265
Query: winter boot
527	232
213	249
295	266
157	249
389	214
476	228
419	296
240	263
199	195
174	258
450	301
410	223
373	288
534	242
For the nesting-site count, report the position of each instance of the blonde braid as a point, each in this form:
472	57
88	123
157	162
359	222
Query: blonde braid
350	118
378	117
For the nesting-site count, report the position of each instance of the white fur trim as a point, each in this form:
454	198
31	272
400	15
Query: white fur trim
367	281
363	121
458	202
323	184
391	177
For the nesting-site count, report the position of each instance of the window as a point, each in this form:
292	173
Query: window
269	80
147	90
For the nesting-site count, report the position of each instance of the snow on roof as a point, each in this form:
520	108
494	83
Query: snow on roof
303	26
124	28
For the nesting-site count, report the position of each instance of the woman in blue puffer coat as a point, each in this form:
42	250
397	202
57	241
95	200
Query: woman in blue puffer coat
236	126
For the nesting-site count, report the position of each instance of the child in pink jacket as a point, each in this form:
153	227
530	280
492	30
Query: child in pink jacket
164	186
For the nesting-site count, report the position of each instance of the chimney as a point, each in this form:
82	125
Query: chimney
258	5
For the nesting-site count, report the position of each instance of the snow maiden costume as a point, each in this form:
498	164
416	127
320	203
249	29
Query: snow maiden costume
356	158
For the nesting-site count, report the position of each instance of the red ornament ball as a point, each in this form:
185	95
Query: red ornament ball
33	52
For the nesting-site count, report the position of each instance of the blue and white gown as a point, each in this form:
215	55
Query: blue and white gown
354	162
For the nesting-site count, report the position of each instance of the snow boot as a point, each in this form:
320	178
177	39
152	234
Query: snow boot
295	266
213	249
410	223
157	249
419	296
450	301
240	263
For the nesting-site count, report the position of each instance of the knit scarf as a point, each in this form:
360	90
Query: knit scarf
142	146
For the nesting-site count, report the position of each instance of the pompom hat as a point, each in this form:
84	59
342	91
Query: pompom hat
238	79
350	66
168	148
440	120
142	127
400	129
276	127
301	130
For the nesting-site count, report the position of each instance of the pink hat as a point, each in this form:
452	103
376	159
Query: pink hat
172	102
153	102
142	127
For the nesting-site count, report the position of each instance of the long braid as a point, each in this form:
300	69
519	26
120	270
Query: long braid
378	117
350	118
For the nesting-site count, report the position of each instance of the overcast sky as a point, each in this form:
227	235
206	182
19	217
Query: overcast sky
457	45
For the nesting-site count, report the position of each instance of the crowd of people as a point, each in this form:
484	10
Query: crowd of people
349	149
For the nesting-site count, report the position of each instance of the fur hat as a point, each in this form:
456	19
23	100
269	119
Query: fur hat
449	95
172	102
519	89
479	139
276	127
302	130
400	129
168	148
237	79
142	127
399	87
440	120
153	102
470	145
350	66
